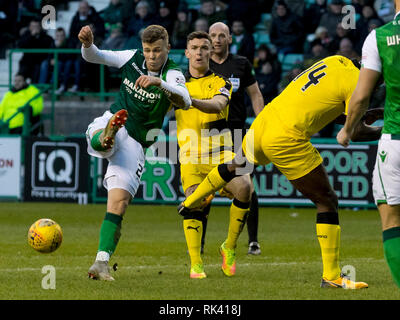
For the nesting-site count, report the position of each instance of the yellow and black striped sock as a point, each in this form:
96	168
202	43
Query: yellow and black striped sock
328	233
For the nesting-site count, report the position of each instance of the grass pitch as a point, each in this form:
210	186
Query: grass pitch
154	264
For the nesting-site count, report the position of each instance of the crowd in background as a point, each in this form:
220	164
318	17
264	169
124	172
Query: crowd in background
313	29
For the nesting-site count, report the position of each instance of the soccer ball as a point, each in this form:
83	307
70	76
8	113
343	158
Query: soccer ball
45	235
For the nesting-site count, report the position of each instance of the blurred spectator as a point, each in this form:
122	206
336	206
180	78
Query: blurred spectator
116	40
8	16
293	73
268	81
247	11
317	52
181	27
296	6
362	25
286	30
165	17
134	42
346	49
332	17
208	11
268	73
86	15
60	42
242	41
201	24
27	12
33	38
143	18
313	14
112	15
385	9
16	98
322	34
340	34
263	55
373	24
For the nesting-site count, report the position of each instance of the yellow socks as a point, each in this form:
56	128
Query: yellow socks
328	233
193	230
237	220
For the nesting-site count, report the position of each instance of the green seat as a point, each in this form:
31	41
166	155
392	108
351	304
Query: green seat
291	59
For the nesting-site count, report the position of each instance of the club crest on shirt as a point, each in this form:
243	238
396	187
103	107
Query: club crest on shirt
235	83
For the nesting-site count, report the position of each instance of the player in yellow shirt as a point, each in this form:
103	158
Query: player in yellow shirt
205	141
281	135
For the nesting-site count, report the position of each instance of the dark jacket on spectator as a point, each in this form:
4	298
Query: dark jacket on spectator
246	47
76	25
329	20
313	15
287	31
39	41
136	24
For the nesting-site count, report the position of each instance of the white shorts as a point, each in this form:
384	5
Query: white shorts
386	176
126	158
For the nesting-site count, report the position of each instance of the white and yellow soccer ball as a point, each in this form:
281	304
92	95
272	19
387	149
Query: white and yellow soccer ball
45	235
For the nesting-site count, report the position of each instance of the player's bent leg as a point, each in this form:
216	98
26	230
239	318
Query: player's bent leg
95	133
104	139
216	179
316	187
390	217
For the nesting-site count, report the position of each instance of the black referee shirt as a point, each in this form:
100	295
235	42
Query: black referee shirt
239	71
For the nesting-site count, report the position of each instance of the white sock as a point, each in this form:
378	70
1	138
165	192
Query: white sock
102	256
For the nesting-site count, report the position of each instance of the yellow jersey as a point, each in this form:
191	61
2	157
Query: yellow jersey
203	134
315	97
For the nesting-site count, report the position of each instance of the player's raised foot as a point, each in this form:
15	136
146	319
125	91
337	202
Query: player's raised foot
197	272
228	260
100	271
254	248
114	124
343	282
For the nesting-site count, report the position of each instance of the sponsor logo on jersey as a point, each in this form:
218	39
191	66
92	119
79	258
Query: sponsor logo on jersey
140	93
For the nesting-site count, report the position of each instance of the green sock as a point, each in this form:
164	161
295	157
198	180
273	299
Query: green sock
110	232
391	247
95	142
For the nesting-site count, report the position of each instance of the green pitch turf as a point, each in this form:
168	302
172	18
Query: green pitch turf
153	263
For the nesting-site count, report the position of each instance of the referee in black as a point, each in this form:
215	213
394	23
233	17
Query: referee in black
239	71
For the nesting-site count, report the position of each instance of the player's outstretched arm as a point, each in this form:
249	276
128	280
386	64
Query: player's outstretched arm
174	87
214	105
107	57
